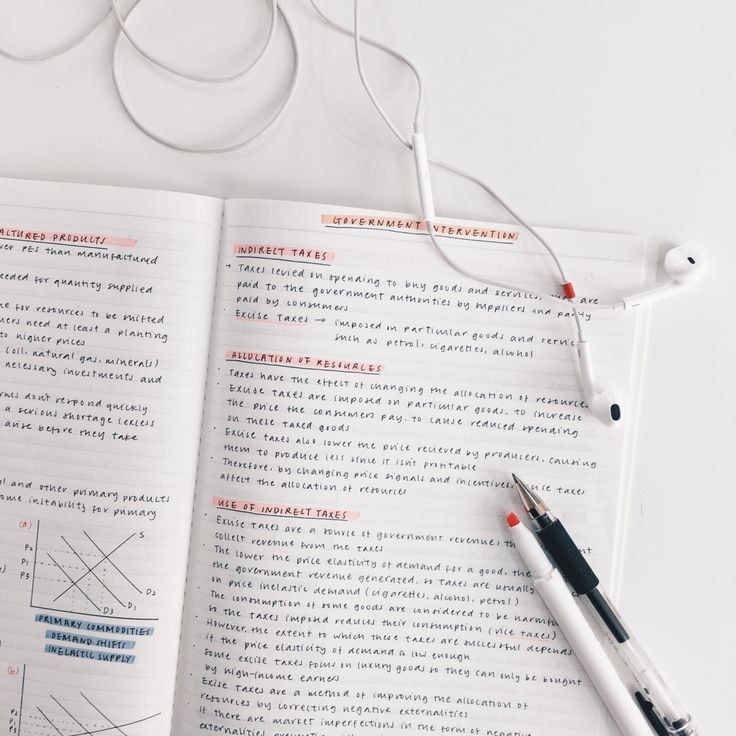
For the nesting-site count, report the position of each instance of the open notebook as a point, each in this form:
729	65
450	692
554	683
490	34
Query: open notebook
254	467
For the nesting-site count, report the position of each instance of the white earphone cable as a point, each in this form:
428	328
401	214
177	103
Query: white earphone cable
391	52
63	48
200	148
195	76
357	39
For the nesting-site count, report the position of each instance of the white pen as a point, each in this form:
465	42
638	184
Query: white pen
549	584
656	700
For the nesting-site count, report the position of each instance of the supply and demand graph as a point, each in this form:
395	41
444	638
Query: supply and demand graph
80	572
46	710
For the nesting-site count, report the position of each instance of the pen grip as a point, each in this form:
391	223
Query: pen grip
568	558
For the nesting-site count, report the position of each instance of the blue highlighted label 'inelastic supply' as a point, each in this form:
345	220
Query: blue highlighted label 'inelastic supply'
97	656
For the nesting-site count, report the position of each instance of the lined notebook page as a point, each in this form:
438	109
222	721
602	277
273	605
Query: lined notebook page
105	311
351	571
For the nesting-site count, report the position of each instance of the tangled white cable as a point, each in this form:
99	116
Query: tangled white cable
124	32
201	148
682	266
195	76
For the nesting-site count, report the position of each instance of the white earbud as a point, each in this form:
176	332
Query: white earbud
683	266
604	404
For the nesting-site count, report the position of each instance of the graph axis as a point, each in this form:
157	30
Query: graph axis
75	582
113	727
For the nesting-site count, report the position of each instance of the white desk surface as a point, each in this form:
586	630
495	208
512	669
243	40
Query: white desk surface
606	116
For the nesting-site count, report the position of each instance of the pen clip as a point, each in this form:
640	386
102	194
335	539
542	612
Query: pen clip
651	715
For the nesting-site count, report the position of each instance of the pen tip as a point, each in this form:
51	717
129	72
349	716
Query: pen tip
533	504
512	519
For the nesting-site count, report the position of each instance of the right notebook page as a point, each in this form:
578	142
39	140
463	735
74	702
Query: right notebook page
350	567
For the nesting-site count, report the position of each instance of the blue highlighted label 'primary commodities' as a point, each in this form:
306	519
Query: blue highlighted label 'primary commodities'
100	628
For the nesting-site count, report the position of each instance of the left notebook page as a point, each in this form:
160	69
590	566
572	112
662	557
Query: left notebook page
105	310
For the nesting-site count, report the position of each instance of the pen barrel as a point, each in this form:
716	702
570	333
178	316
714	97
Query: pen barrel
676	719
592	656
673	715
607	616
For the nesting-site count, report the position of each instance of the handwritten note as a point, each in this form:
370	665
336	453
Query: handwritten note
105	310
350	571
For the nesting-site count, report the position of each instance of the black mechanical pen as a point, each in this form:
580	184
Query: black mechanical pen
660	707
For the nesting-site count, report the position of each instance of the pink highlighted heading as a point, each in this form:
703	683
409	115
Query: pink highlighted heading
303	361
282	509
59	238
284	251
398	224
